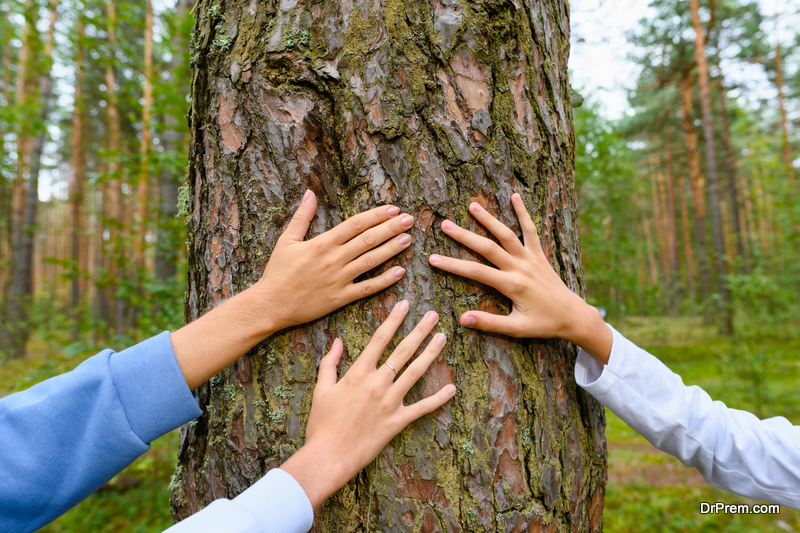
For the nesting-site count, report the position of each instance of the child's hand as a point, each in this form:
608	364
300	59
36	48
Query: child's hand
543	306
305	280
353	419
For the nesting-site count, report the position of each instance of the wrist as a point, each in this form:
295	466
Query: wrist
317	472
589	331
261	303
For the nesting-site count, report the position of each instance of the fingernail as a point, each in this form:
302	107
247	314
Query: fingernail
399	272
405	240
403	306
451	390
441	339
516	197
433	317
470	321
306	196
406	221
393	211
336	343
434	259
475	207
447	225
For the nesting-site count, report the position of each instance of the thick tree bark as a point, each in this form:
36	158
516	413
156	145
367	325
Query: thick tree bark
426	106
720	257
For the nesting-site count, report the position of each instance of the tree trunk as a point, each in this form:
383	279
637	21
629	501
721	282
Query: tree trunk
76	193
172	140
697	187
14	335
144	146
730	164
428	107
687	242
787	148
113	218
671	228
720	257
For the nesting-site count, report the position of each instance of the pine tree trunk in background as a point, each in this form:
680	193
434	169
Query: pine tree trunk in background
763	214
672	234
697	187
172	139
76	192
787	148
427	107
6	190
730	164
114	248
23	99
687	241
14	335
720	257
748	216
147	137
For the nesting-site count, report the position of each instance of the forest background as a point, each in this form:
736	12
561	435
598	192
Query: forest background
687	194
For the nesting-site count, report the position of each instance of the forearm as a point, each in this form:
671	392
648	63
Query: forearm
221	336
733	449
83	427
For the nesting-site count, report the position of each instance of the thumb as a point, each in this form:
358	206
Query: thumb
298	227
489	322
327	368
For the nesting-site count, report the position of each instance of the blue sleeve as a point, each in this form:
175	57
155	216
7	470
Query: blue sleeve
64	438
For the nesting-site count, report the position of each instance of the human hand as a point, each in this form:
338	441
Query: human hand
542	306
305	280
353	419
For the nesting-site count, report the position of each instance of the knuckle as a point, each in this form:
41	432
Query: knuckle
369	260
356	223
368	238
368	287
374	389
413	374
380	337
420	410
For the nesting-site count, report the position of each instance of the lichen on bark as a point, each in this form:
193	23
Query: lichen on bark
428	106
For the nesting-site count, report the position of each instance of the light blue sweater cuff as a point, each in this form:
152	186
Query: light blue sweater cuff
152	389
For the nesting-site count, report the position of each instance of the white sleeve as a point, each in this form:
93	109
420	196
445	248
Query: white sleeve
733	449
276	503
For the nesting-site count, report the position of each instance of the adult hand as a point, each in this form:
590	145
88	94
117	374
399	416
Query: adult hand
353	419
542	306
302	281
305	280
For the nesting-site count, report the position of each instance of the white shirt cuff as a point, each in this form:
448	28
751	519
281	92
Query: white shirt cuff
279	503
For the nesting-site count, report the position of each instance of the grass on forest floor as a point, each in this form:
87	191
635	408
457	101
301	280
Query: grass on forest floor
647	489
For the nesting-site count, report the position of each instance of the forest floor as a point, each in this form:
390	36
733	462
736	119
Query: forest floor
647	490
